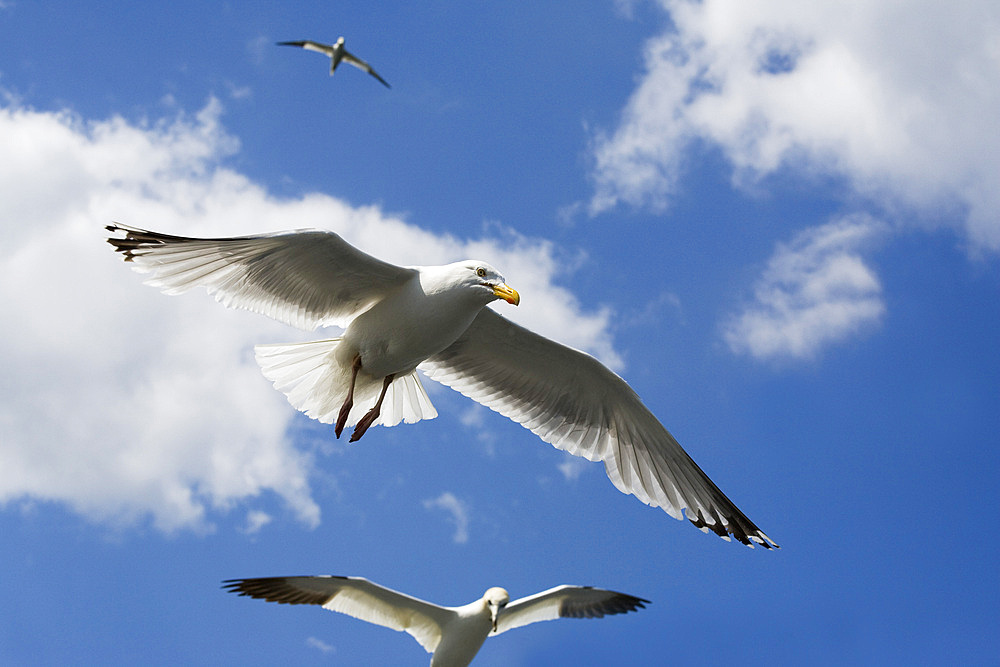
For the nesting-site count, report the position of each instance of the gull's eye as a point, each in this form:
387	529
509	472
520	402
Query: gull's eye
481	272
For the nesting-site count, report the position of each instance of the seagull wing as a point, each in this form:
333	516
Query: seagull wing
574	402
566	602
303	278
310	45
361	64
354	596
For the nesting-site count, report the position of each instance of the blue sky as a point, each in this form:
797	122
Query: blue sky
780	224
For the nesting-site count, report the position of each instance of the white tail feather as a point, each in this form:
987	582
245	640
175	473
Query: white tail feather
315	383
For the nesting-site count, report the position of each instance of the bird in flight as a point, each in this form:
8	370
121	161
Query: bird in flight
397	319
337	54
453	635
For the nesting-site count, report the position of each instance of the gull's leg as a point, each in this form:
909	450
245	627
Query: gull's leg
349	403
372	414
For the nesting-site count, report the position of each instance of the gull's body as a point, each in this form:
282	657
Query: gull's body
337	54
452	634
397	319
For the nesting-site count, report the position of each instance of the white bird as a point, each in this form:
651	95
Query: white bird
397	319
337	54
453	635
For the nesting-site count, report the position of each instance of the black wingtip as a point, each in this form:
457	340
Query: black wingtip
617	603
748	534
123	245
136	239
274	589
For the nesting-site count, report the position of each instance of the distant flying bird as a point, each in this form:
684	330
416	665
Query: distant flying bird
452	634
337	53
397	319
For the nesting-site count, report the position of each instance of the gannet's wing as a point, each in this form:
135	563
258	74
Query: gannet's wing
309	45
361	64
354	596
566	602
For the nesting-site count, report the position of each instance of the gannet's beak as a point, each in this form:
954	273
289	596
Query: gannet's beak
507	293
494	612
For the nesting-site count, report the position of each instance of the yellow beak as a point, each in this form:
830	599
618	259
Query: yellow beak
507	293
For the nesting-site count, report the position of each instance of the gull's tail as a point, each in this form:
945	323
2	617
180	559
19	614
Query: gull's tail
315	383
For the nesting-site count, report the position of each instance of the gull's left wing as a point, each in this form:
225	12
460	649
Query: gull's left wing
571	400
566	602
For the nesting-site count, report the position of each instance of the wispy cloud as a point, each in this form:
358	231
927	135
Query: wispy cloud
320	645
458	513
862	94
258	47
124	404
474	419
817	290
572	467
256	520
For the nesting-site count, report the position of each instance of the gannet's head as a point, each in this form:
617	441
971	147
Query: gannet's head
496	599
485	276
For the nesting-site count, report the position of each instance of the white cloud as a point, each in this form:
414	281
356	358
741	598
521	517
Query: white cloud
320	645
458	511
474	418
256	520
127	405
816	290
572	467
899	98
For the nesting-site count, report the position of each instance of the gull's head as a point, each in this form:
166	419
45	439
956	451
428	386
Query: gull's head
484	276
471	277
496	599
340	41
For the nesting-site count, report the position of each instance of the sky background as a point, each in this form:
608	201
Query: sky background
778	221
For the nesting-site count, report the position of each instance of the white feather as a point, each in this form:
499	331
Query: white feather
309	375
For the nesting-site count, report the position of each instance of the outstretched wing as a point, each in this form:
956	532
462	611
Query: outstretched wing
309	45
361	64
303	278
571	400
354	596
566	602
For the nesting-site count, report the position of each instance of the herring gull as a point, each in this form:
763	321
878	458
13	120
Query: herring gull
453	635
337	54
398	319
